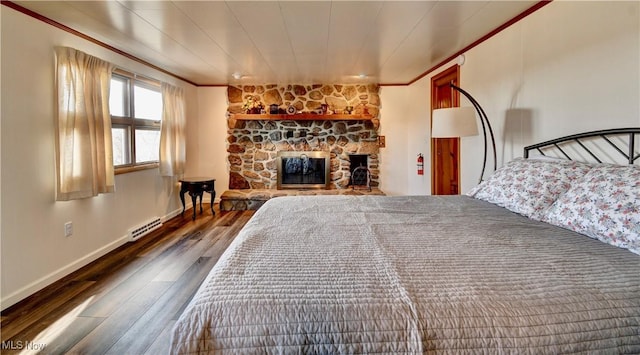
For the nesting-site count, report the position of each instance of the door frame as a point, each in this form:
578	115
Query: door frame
451	74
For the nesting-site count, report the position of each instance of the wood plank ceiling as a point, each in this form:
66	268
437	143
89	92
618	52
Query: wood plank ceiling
207	42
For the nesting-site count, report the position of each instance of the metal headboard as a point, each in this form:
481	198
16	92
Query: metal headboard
630	155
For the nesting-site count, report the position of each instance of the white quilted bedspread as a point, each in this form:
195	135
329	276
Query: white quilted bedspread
373	274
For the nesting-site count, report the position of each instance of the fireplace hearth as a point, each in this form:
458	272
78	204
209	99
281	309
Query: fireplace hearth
303	170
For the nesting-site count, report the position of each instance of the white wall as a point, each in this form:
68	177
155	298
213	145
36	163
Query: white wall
405	124
394	125
567	68
34	249
211	136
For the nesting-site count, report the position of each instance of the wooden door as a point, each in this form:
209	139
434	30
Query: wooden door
445	152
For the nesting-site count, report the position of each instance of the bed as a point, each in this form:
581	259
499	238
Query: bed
542	262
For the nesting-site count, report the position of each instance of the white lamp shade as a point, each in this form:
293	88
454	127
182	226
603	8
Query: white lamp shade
454	122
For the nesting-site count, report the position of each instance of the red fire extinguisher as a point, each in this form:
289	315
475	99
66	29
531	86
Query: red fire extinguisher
420	164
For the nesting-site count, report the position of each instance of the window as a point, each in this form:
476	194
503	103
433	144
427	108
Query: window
136	112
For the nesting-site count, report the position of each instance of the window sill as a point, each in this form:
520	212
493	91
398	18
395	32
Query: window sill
130	169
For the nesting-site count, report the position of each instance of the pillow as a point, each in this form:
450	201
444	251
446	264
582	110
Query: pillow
529	186
604	204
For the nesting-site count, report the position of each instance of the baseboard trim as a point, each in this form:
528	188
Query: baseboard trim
47	280
174	213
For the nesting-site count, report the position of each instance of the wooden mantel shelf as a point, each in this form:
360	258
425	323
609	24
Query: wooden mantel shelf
303	116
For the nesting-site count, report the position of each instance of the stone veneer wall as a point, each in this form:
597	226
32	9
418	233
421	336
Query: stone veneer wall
253	145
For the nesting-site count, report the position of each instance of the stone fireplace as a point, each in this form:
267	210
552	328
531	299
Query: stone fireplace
255	147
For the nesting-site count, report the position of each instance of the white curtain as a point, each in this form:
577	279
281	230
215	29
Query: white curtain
172	132
84	157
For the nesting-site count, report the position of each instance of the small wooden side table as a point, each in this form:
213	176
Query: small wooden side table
196	186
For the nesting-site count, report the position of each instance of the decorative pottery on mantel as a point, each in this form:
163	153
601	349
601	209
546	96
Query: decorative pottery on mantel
305	98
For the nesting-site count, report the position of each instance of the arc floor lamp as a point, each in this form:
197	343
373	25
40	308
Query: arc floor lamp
455	122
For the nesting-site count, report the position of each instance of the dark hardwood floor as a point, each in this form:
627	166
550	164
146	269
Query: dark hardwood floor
127	301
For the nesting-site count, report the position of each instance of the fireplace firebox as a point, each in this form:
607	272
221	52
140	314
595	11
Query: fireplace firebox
357	161
303	170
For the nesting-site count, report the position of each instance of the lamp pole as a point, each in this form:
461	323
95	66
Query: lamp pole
485	122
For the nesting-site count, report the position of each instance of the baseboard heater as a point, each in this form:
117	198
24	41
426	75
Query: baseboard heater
144	229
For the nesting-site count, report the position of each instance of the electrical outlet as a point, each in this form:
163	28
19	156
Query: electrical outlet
68	229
